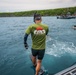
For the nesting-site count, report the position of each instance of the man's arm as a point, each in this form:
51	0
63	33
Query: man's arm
27	32
25	40
47	31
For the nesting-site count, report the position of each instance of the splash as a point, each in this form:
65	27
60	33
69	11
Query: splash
58	48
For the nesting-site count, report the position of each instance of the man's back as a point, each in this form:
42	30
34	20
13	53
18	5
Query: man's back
38	33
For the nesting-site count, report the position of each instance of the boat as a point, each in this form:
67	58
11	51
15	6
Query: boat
66	17
69	71
74	27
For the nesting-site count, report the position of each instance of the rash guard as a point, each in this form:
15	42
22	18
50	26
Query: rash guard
38	34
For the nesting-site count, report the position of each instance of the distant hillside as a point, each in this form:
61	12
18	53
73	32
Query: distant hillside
50	12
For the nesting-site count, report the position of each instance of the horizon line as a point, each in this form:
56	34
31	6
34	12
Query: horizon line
36	10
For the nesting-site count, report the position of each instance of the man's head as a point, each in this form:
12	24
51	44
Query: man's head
37	18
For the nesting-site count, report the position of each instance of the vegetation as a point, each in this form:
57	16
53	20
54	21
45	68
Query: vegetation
50	12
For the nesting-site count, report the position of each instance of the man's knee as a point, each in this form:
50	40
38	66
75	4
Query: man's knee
39	61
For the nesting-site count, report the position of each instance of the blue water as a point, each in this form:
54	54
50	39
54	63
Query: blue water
60	45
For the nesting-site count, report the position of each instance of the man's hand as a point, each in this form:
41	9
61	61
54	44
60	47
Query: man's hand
26	45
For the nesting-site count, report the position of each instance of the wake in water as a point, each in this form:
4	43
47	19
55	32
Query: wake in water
58	48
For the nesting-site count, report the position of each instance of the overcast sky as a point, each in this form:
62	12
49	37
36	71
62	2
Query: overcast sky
24	5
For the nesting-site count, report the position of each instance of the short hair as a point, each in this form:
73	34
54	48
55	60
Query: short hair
37	17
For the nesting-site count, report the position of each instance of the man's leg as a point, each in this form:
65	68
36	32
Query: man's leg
38	66
34	54
34	60
39	61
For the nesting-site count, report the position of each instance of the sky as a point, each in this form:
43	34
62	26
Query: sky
26	5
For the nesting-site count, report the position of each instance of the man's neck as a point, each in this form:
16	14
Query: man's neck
38	23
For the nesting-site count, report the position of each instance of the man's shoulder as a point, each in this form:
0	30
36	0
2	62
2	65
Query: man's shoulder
45	25
31	25
34	25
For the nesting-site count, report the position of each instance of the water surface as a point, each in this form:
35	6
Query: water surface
60	45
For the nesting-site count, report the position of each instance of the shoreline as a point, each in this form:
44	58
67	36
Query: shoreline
49	12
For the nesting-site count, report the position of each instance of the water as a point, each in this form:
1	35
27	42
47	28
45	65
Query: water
60	45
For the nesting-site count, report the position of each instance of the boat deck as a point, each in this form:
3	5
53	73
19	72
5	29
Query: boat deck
69	71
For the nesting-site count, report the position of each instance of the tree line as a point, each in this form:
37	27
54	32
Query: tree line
49	12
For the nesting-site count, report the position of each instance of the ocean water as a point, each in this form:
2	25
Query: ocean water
60	45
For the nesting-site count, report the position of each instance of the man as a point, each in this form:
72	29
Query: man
38	33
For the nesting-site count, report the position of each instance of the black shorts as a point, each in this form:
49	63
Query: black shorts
38	53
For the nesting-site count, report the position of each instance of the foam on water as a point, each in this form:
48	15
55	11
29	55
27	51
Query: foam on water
59	48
